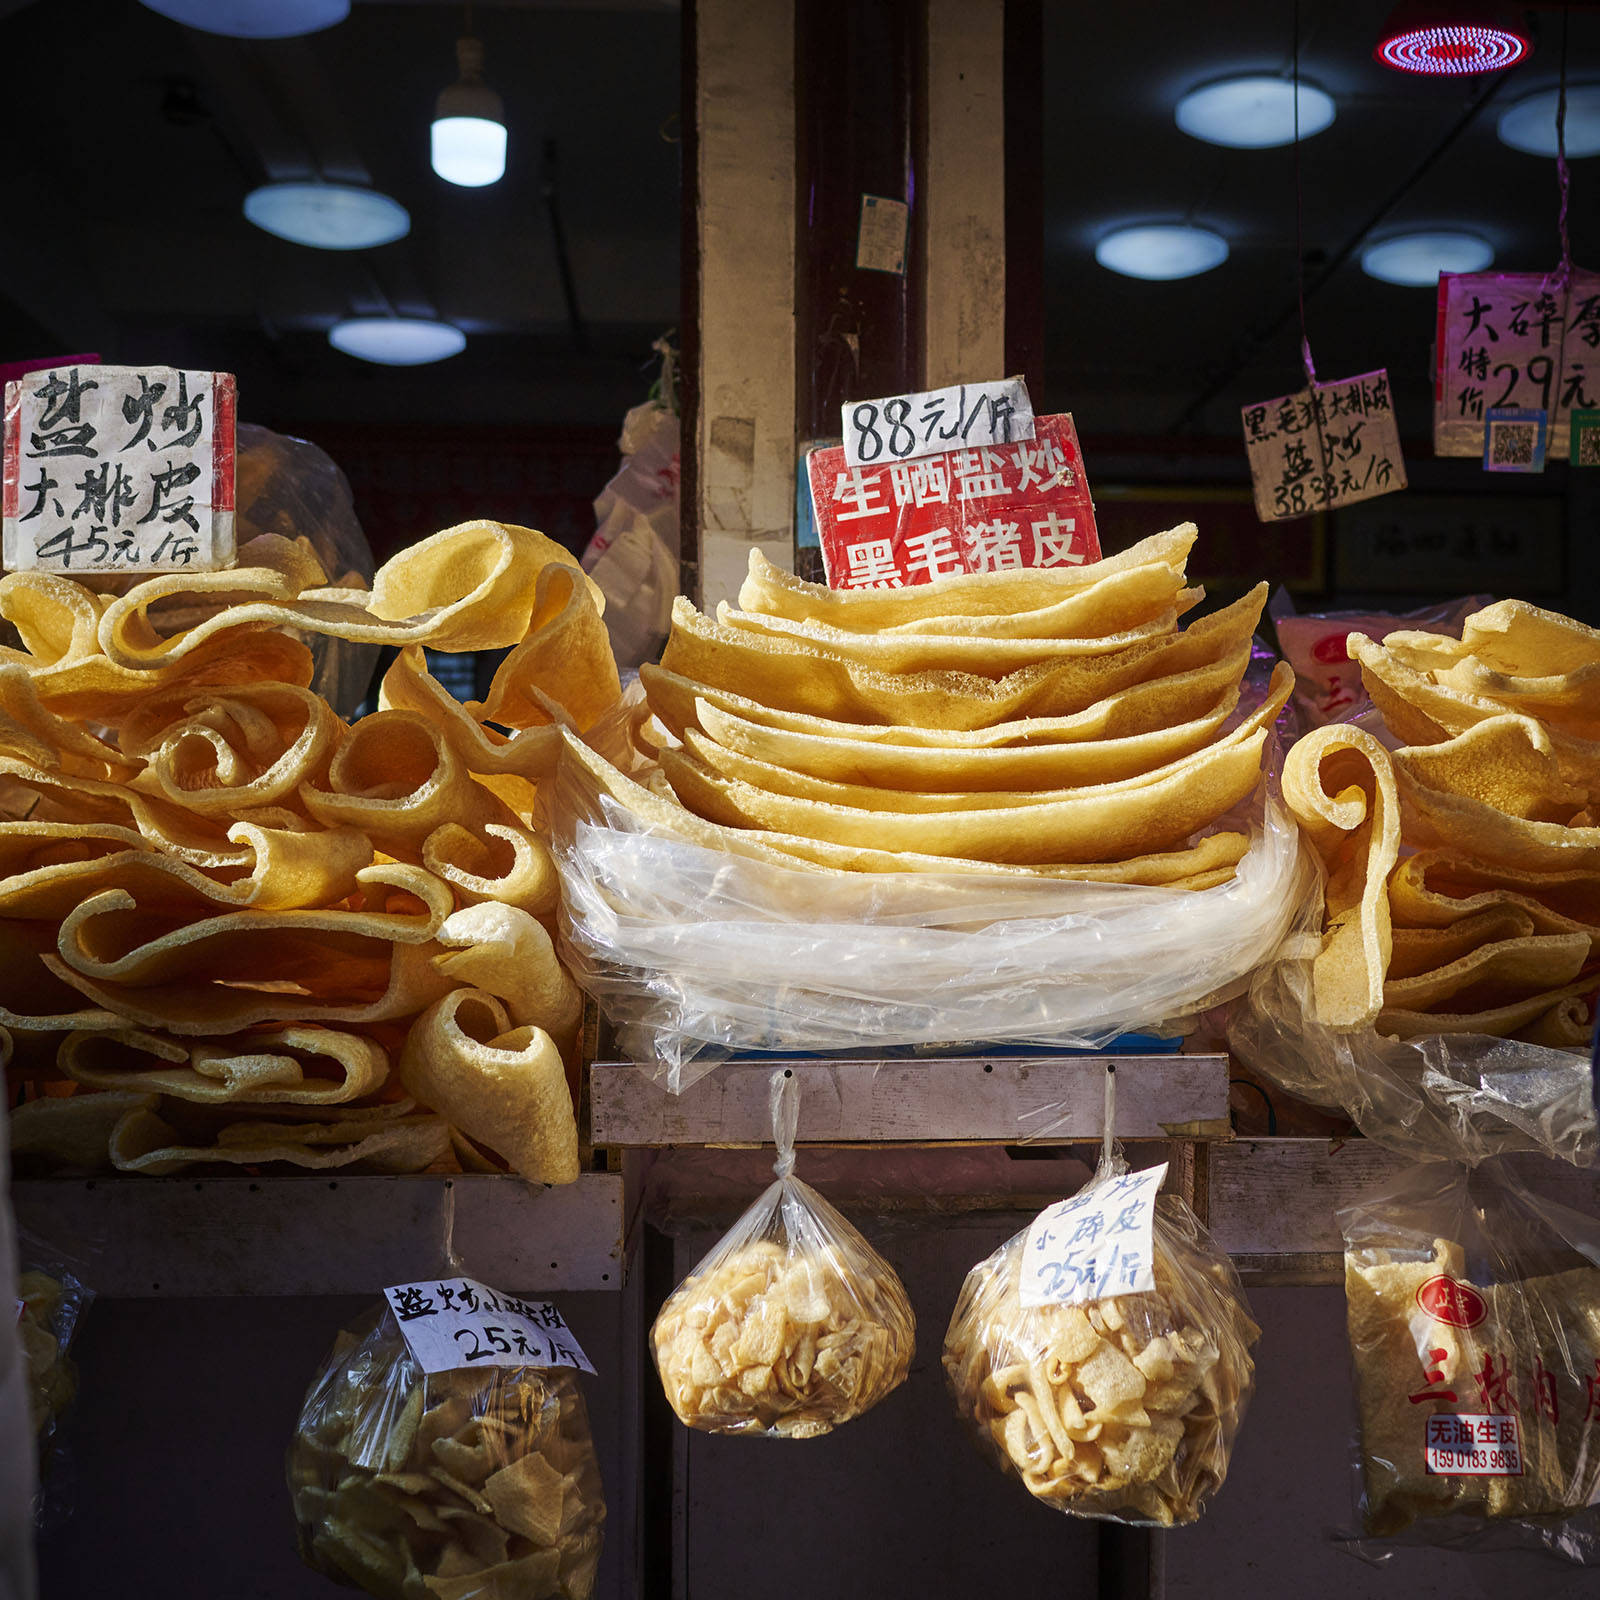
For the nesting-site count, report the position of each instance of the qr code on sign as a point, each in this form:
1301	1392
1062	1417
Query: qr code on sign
1511	444
1589	447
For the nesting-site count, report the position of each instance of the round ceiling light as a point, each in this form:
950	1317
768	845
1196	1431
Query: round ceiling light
327	216
397	341
254	19
1417	259
1530	124
1253	112
1161	250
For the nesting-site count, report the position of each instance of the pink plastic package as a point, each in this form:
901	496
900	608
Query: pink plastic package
1327	682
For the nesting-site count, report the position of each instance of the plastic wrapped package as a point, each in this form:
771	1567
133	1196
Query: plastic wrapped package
1327	683
465	1485
49	1306
51	1301
290	487
1474	1319
1460	1096
793	1324
633	555
697	952
1123	1408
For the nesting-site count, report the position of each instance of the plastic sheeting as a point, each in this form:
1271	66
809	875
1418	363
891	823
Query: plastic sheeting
1461	1096
696	953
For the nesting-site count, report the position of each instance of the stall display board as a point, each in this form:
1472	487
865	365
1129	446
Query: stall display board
1517	341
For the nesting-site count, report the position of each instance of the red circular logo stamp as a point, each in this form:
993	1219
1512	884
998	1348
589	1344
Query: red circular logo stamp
1458	1304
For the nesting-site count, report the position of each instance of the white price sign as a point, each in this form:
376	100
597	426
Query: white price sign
966	416
1097	1244
454	1323
118	469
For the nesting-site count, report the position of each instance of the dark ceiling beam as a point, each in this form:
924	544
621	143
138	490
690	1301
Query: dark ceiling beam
1254	339
240	94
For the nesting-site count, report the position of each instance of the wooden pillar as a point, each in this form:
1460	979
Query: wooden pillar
739	294
963	196
799	108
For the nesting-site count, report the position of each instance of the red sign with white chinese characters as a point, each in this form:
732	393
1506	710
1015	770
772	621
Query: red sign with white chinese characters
1458	1304
986	509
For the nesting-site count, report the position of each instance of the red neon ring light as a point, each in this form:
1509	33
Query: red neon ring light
1452	49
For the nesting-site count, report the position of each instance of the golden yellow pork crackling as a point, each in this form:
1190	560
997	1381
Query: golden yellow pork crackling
1125	1407
236	929
1463	866
1049	721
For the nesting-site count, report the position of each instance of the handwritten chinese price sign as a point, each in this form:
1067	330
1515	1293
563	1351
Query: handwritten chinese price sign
1511	341
1330	445
119	469
962	417
455	1323
984	508
1098	1243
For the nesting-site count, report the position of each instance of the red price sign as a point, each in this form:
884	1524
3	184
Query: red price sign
985	509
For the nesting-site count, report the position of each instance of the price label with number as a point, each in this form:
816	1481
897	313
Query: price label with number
1327	446
1517	341
450	1324
965	416
118	469
1097	1244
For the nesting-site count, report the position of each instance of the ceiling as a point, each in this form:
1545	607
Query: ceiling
1137	358
122	232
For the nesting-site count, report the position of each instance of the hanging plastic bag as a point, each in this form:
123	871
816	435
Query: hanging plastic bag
793	1324
1474	1318
1119	1405
477	1484
633	555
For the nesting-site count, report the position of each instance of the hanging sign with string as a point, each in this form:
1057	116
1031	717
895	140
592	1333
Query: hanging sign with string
1518	353
1330	445
1521	340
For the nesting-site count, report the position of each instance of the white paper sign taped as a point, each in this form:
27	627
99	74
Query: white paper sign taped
1097	1244
451	1324
118	469
881	236
966	416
